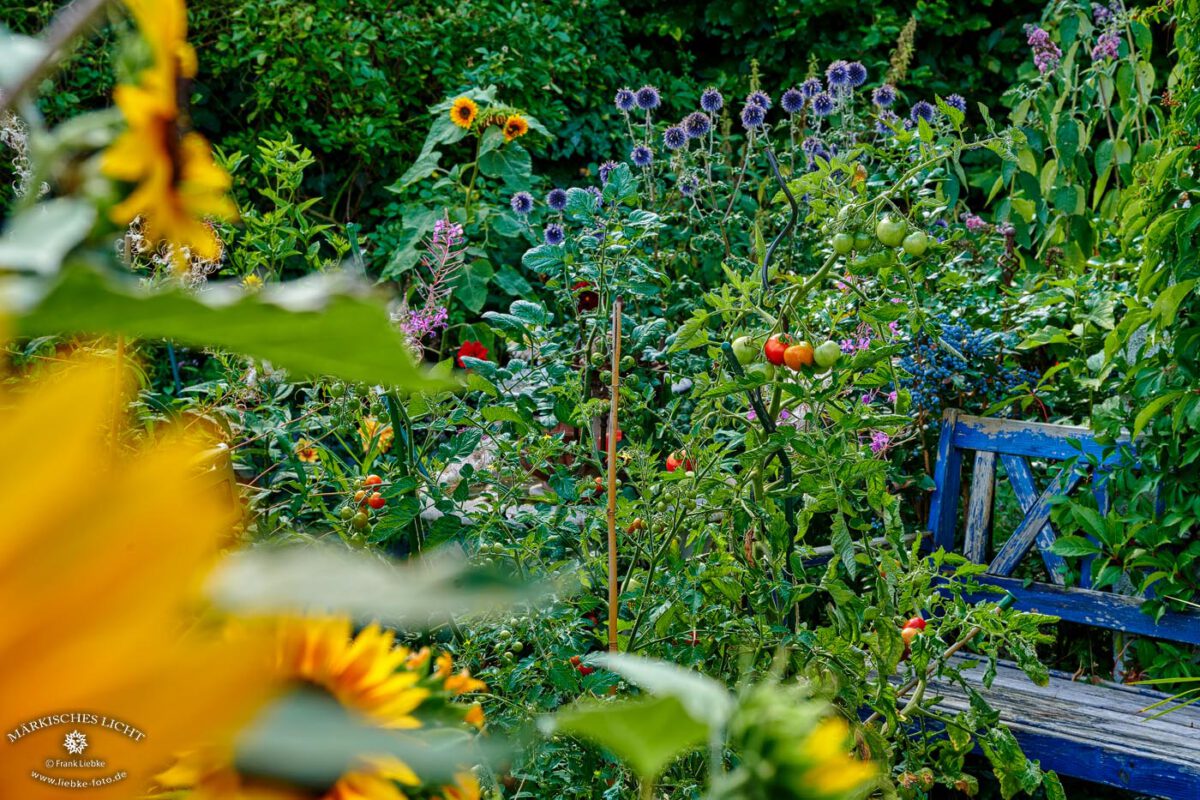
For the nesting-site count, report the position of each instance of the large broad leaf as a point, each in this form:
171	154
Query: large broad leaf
647	733
321	325
39	238
308	739
705	700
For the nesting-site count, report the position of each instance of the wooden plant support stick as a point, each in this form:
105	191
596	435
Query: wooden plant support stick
612	476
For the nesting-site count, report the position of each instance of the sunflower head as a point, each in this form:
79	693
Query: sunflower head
515	127
375	434
306	452
463	111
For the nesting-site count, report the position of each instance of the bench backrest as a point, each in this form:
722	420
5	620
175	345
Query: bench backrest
1013	443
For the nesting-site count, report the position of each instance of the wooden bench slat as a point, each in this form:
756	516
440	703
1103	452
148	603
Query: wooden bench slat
1097	732
1035	439
979	509
1023	537
947	474
1109	610
1020	477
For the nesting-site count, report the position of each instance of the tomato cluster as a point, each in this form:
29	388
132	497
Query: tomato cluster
911	630
355	512
781	351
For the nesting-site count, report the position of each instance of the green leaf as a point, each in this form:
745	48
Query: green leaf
512	282
511	163
544	259
843	545
1153	407
706	701
647	733
1074	547
1167	303
39	238
320	325
471	288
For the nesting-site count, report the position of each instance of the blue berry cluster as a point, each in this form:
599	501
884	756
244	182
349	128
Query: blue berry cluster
973	381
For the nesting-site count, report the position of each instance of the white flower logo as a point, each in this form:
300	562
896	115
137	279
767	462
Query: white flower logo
75	743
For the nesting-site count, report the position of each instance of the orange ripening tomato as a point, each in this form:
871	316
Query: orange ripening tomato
798	356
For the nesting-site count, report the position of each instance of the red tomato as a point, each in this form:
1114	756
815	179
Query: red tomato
373	480
916	622
584	670
677	460
908	634
376	501
575	661
775	347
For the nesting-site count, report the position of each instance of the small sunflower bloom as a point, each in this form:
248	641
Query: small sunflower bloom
515	127
306	452
463	112
372	432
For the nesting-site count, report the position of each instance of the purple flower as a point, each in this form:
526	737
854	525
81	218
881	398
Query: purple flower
641	155
557	199
891	397
751	415
596	193
883	125
711	100
522	203
647	98
922	110
554	234
604	169
856	73
884	96
837	75
1108	47
810	87
879	442
1100	14
792	100
957	101
1046	54
674	137
822	104
447	234
625	99
753	116
425	321
974	223
696	124
759	99
688	185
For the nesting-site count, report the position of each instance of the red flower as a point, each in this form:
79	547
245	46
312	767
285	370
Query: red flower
470	350
586	299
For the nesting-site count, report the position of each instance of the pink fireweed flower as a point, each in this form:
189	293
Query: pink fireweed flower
974	223
879	442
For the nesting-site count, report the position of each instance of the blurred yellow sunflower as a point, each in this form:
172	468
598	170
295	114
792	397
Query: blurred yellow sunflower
366	673
100	588
515	127
373	433
306	452
178	184
834	773
463	111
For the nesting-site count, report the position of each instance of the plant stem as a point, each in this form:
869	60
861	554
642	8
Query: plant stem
614	402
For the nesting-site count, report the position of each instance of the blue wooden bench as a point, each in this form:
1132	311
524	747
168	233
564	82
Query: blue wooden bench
1095	731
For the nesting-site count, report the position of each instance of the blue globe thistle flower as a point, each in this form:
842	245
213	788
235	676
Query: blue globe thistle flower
883	126
557	199
922	110
957	101
674	137
696	124
554	234
522	203
823	104
753	116
605	168
625	99
647	98
688	185
641	155
759	99
711	100
792	101
837	75
856	74
811	87
596	193
884	96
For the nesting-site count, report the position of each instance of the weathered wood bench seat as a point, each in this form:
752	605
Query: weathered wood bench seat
1091	731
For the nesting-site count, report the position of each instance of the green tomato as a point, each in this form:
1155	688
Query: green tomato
337	390
627	362
360	521
745	350
827	354
843	243
631	379
347	513
606	376
597	359
863	241
916	243
517	646
890	231
504	635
